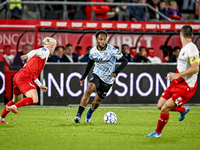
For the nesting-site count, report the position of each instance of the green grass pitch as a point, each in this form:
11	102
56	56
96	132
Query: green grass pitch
53	128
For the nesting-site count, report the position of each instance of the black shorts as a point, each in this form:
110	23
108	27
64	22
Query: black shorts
102	87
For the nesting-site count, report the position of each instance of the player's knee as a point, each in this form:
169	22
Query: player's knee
35	100
90	89
97	102
159	106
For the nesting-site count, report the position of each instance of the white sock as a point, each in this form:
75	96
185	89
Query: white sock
2	119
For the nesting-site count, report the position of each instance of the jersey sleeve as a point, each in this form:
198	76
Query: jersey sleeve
42	53
116	53
193	54
32	53
91	55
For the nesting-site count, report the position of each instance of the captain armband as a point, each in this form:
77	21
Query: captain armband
194	59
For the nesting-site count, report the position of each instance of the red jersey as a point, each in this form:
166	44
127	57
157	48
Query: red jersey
36	61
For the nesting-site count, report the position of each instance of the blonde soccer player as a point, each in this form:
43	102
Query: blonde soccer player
26	79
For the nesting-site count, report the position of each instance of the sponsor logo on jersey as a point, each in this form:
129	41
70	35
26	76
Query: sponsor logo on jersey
179	101
44	49
100	60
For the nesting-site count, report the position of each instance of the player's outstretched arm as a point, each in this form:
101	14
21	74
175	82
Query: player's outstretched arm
87	70
39	84
24	57
123	64
32	53
44	88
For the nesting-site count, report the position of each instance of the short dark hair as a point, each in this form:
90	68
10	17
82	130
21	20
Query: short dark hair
125	45
88	48
187	31
142	47
59	47
67	45
176	47
101	32
27	44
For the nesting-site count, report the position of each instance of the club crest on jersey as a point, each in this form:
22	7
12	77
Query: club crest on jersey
193	59
118	52
183	54
44	49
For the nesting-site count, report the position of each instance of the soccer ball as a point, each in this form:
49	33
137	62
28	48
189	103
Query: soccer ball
110	118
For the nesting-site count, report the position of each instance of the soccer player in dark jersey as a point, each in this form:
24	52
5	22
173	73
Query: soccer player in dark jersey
104	57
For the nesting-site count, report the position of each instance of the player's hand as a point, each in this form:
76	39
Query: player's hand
24	57
43	88
113	75
82	82
172	76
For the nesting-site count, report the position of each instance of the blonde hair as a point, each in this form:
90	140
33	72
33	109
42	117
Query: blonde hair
173	2
49	40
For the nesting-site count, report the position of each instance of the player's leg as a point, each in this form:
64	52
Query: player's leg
95	105
15	99
101	94
31	97
84	101
161	102
163	119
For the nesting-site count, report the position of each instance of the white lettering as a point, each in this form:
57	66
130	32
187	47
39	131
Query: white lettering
159	80
131	84
107	25
91	25
59	89
150	26
77	24
138	84
3	85
45	23
79	92
122	85
61	24
122	25
136	26
195	27
165	26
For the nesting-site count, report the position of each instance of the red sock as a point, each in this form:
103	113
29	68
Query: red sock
24	101
163	119
179	109
4	113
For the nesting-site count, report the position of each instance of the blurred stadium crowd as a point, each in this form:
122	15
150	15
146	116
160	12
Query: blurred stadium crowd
174	9
71	54
180	10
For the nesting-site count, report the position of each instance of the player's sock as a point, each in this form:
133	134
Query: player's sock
179	109
163	119
80	110
24	101
4	113
91	110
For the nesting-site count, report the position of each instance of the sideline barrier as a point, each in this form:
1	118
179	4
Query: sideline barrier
136	84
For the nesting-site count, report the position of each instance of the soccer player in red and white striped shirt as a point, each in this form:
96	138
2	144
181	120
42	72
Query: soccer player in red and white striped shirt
184	82
26	79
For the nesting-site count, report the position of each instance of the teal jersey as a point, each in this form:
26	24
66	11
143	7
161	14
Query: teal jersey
105	62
